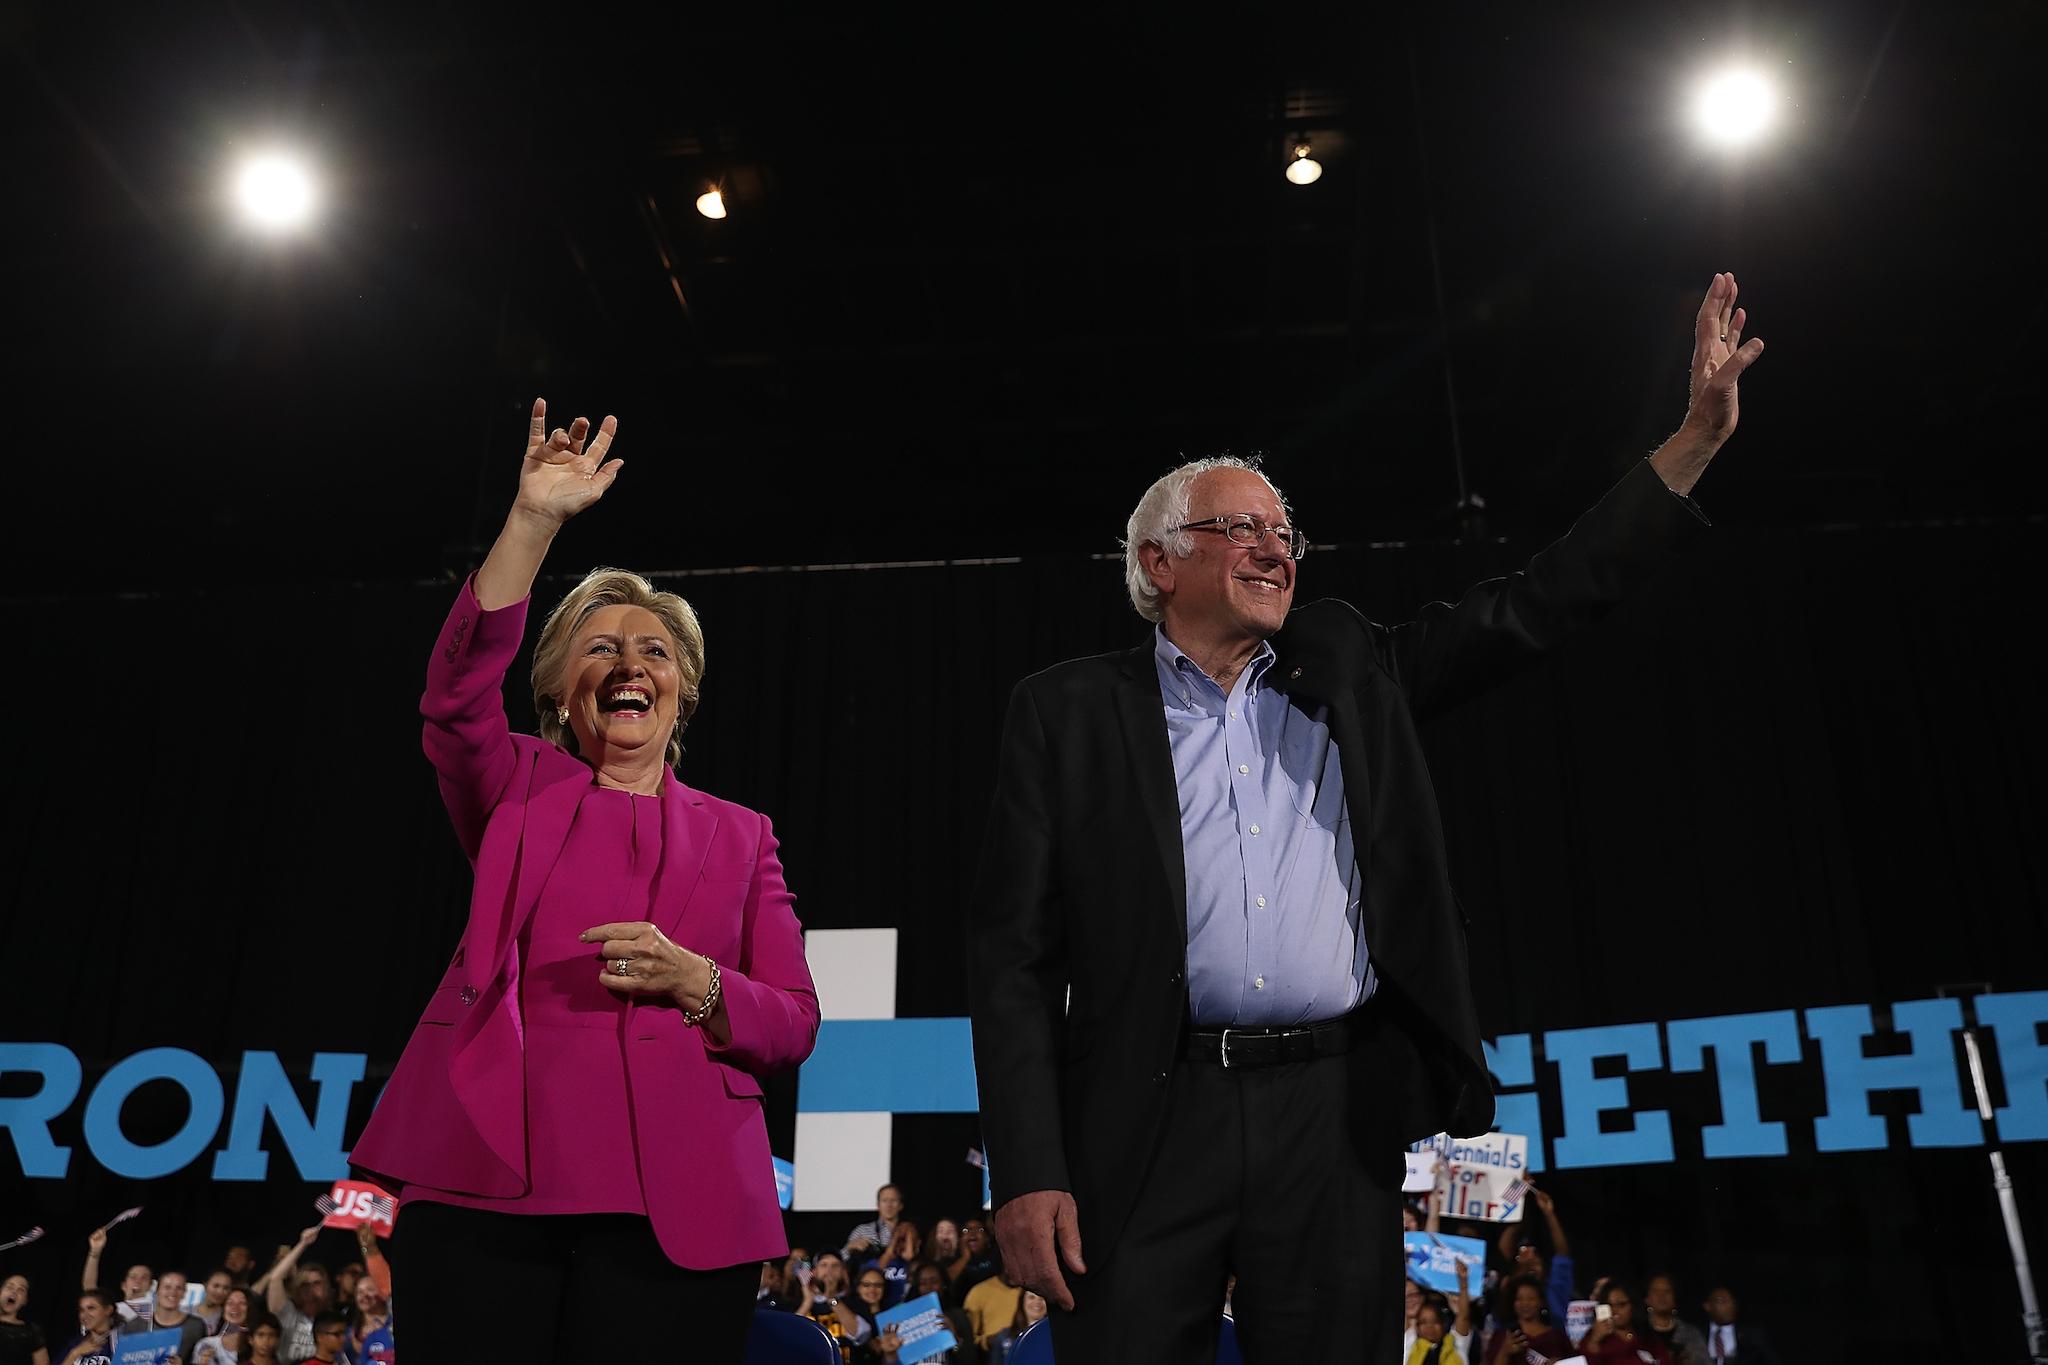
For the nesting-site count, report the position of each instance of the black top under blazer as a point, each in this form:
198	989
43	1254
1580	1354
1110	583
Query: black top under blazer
1081	886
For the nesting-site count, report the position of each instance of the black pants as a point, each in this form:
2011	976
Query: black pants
1258	1173
559	1289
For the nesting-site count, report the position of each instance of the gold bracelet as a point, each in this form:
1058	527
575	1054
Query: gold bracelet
704	1011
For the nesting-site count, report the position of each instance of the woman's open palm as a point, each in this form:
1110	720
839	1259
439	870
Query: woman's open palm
561	475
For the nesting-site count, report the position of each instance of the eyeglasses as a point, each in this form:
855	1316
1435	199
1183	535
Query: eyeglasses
1251	532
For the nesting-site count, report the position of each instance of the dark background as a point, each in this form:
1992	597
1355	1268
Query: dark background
983	281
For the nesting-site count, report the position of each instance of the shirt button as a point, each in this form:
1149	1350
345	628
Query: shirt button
1255	831
469	995
1262	902
1244	767
1233	715
1258	983
1159	1078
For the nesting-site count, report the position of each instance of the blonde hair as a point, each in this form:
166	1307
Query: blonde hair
602	588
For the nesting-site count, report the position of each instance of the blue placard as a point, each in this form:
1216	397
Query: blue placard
922	1325
785	1181
146	1348
1433	1260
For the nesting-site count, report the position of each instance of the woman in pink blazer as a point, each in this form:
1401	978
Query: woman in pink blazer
575	1126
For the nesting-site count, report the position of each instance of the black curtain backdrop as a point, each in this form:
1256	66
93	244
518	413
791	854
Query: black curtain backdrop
1803	768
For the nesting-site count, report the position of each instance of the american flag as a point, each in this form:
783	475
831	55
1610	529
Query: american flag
1513	1194
123	1216
975	1158
23	1240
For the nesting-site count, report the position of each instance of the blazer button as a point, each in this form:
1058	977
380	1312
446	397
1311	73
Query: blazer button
1295	674
1173	980
1159	1078
469	995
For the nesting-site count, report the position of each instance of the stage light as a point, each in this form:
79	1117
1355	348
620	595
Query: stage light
274	192
1303	169
711	203
1734	107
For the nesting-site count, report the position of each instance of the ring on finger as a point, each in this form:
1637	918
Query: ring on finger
620	965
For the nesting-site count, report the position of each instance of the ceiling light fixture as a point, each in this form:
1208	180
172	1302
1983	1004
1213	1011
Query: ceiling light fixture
274	193
711	203
1735	107
1302	168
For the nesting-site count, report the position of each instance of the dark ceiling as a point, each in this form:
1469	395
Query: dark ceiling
984	278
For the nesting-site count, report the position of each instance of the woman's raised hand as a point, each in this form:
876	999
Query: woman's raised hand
562	475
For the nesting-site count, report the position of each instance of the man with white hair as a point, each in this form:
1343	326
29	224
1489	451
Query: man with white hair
1219	975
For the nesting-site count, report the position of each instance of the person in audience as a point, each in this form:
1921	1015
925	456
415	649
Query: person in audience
1457	1321
296	1293
870	1237
830	1295
98	1322
870	1296
225	1349
330	1338
896	1260
137	1286
240	1263
265	1335
928	1278
786	1294
218	1285
230	1338
980	1258
1618	1339
370	1327
1523	1258
1727	1346
1433	1344
1527	1325
990	1305
168	1314
345	1287
1030	1309
1660	1316
21	1341
1411	1300
943	1246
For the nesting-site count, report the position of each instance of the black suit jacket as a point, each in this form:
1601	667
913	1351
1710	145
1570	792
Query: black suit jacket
1079	931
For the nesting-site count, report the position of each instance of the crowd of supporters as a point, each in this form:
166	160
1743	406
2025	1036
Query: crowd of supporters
1520	1311
296	1310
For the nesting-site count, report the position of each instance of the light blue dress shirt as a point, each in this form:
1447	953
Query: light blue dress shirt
1274	934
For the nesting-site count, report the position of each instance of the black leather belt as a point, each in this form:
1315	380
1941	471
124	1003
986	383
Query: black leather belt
1236	1048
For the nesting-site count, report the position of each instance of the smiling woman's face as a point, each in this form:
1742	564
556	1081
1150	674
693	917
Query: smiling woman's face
620	683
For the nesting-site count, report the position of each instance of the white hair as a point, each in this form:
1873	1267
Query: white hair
1157	519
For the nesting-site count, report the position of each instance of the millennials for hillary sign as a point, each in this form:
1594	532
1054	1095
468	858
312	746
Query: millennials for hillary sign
1484	1174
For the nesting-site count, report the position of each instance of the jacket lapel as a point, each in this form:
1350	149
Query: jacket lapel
1142	716
687	827
549	813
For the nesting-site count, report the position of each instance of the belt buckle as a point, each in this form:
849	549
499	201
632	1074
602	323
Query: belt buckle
1226	1049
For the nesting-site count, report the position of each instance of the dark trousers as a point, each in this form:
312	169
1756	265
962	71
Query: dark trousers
1258	1174
567	1288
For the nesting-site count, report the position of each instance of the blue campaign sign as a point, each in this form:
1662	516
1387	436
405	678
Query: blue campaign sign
785	1182
922	1325
146	1348
1433	1260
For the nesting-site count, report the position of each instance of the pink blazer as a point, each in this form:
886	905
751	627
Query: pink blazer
454	1113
